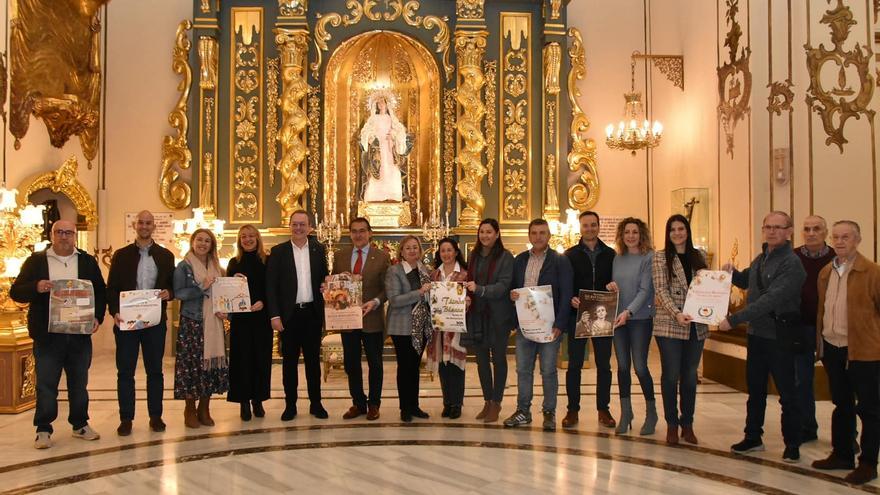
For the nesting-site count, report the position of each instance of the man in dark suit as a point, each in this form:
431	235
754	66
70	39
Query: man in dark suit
371	264
55	352
294	274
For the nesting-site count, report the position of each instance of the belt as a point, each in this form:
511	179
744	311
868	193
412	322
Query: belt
303	305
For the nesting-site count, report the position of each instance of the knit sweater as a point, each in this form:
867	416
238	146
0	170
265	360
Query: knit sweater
810	293
632	273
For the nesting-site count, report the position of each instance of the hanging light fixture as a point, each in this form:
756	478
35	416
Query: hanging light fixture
634	132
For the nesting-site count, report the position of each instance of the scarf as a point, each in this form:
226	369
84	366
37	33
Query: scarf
421	318
214	354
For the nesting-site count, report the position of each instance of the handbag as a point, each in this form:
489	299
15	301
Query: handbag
789	328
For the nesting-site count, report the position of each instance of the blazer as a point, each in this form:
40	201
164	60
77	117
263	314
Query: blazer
401	300
281	281
373	276
556	271
36	268
862	309
123	273
670	296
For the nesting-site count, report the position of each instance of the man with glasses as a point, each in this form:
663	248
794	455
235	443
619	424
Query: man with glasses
774	281
54	352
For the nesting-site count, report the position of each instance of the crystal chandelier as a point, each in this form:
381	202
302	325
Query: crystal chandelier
563	235
634	132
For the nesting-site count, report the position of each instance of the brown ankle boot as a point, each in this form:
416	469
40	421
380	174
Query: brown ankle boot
672	435
204	413
190	416
606	419
492	413
687	434
482	413
570	420
862	474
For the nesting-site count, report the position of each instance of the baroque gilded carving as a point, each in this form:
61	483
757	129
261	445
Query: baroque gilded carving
205	6
555	7
469	9
314	117
206	191
208	60
734	78
64	180
449	126
516	63
469	48
780	97
551	197
836	105
584	193
292	7
28	376
246	129
56	70
552	64
293	46
174	192
490	68
272	72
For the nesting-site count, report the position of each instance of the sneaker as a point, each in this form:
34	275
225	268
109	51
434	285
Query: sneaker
746	446
518	418
43	440
791	455
86	433
549	421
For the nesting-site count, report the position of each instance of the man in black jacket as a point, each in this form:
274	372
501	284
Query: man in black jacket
294	274
54	352
592	261
141	265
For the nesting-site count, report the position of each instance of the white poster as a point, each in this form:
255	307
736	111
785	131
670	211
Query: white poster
342	302
139	309
72	307
164	233
708	297
448	306
534	309
230	295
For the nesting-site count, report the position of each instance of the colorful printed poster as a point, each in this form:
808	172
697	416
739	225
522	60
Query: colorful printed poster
72	307
708	297
342	302
596	313
448	306
139	309
230	295
534	309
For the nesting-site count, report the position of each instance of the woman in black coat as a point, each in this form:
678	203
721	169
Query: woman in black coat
250	340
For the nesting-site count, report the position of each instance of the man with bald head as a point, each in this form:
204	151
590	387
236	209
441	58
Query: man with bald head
774	281
57	352
141	265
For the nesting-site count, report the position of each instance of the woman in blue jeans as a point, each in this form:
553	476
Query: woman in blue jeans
631	279
680	339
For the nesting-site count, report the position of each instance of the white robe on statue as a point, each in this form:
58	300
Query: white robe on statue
392	137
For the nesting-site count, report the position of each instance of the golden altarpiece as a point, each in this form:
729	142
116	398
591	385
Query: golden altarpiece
278	101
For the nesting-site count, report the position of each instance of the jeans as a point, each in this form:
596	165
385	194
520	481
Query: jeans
766	357
527	352
128	344
577	350
408	362
301	335
631	344
351	355
451	384
492	364
679	360
73	354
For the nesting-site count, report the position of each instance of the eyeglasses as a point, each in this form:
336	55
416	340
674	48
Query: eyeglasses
64	233
774	227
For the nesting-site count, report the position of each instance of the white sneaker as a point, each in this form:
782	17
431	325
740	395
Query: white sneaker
86	433
43	440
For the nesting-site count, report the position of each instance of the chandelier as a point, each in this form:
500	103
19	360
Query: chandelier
634	132
563	235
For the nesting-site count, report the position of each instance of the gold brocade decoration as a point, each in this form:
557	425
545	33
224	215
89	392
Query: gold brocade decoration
314	116
28	376
361	9
293	46
516	75
734	78
271	116
449	124
469	9
246	129
174	192
208	60
838	104
64	180
56	70
780	97
490	69
469	48
552	63
584	193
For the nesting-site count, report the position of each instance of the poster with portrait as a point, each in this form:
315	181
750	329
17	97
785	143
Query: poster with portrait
139	309
708	297
343	301
534	310
230	295
448	306
72	307
596	313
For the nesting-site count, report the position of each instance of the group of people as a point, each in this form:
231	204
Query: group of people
815	298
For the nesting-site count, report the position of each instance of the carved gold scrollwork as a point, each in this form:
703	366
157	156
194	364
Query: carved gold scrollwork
490	68
780	97
292	7
208	60
551	196
174	192
584	193
293	46
64	180
837	105
516	74
271	115
314	144
205	6
449	125
552	64
734	78
206	191
28	376
469	9
469	48
555	7
246	129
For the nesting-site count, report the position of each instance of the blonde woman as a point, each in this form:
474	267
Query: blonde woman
200	369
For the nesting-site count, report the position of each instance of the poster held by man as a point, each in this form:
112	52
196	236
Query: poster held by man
534	310
72	307
594	311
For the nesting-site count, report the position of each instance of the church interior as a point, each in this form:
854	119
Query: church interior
425	116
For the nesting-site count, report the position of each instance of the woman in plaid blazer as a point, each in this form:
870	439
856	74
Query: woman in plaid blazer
680	339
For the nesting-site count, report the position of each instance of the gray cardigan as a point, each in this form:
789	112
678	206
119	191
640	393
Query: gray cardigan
401	300
632	272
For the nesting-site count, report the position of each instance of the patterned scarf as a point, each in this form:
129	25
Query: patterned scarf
214	354
421	318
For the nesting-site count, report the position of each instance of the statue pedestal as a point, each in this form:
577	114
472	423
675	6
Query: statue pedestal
18	378
388	214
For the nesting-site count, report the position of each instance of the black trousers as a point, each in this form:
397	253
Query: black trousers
408	361
843	396
602	354
128	344
301	335
371	343
765	358
451	384
492	364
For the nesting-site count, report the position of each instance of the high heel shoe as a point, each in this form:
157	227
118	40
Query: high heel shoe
650	418
626	417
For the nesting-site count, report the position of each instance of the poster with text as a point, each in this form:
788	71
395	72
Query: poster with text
534	309
72	307
139	309
595	315
342	302
230	295
448	306
708	297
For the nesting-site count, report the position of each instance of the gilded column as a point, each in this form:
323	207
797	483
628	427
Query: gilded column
470	46
207	29
552	61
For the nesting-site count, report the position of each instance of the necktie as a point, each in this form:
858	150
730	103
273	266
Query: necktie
358	264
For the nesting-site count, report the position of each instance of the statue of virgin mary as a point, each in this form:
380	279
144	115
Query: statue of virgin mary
384	149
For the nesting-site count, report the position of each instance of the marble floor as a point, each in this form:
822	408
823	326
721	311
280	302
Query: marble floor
436	455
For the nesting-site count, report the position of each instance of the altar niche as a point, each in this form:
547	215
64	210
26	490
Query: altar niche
398	70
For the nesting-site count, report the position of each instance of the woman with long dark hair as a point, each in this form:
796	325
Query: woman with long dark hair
490	316
680	339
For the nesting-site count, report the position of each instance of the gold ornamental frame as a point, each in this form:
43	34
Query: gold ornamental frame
64	181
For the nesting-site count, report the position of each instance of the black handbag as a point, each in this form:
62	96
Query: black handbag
789	327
